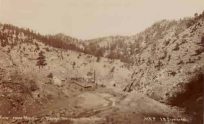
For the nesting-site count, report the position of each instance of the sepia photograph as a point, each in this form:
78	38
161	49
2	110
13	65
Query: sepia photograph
101	61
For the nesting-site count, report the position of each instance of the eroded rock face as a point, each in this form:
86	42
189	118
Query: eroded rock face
166	64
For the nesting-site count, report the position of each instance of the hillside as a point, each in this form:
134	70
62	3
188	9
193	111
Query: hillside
158	72
169	66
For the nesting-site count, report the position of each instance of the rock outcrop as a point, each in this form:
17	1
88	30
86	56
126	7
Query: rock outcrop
171	57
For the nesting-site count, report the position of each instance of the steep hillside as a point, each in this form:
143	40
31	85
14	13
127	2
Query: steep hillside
167	58
169	66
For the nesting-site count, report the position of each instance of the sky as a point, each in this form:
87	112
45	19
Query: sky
87	19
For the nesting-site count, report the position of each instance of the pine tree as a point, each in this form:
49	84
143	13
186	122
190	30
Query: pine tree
41	60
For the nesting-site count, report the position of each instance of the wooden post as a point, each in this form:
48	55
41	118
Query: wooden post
94	76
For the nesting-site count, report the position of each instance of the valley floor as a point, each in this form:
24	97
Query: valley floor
103	106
